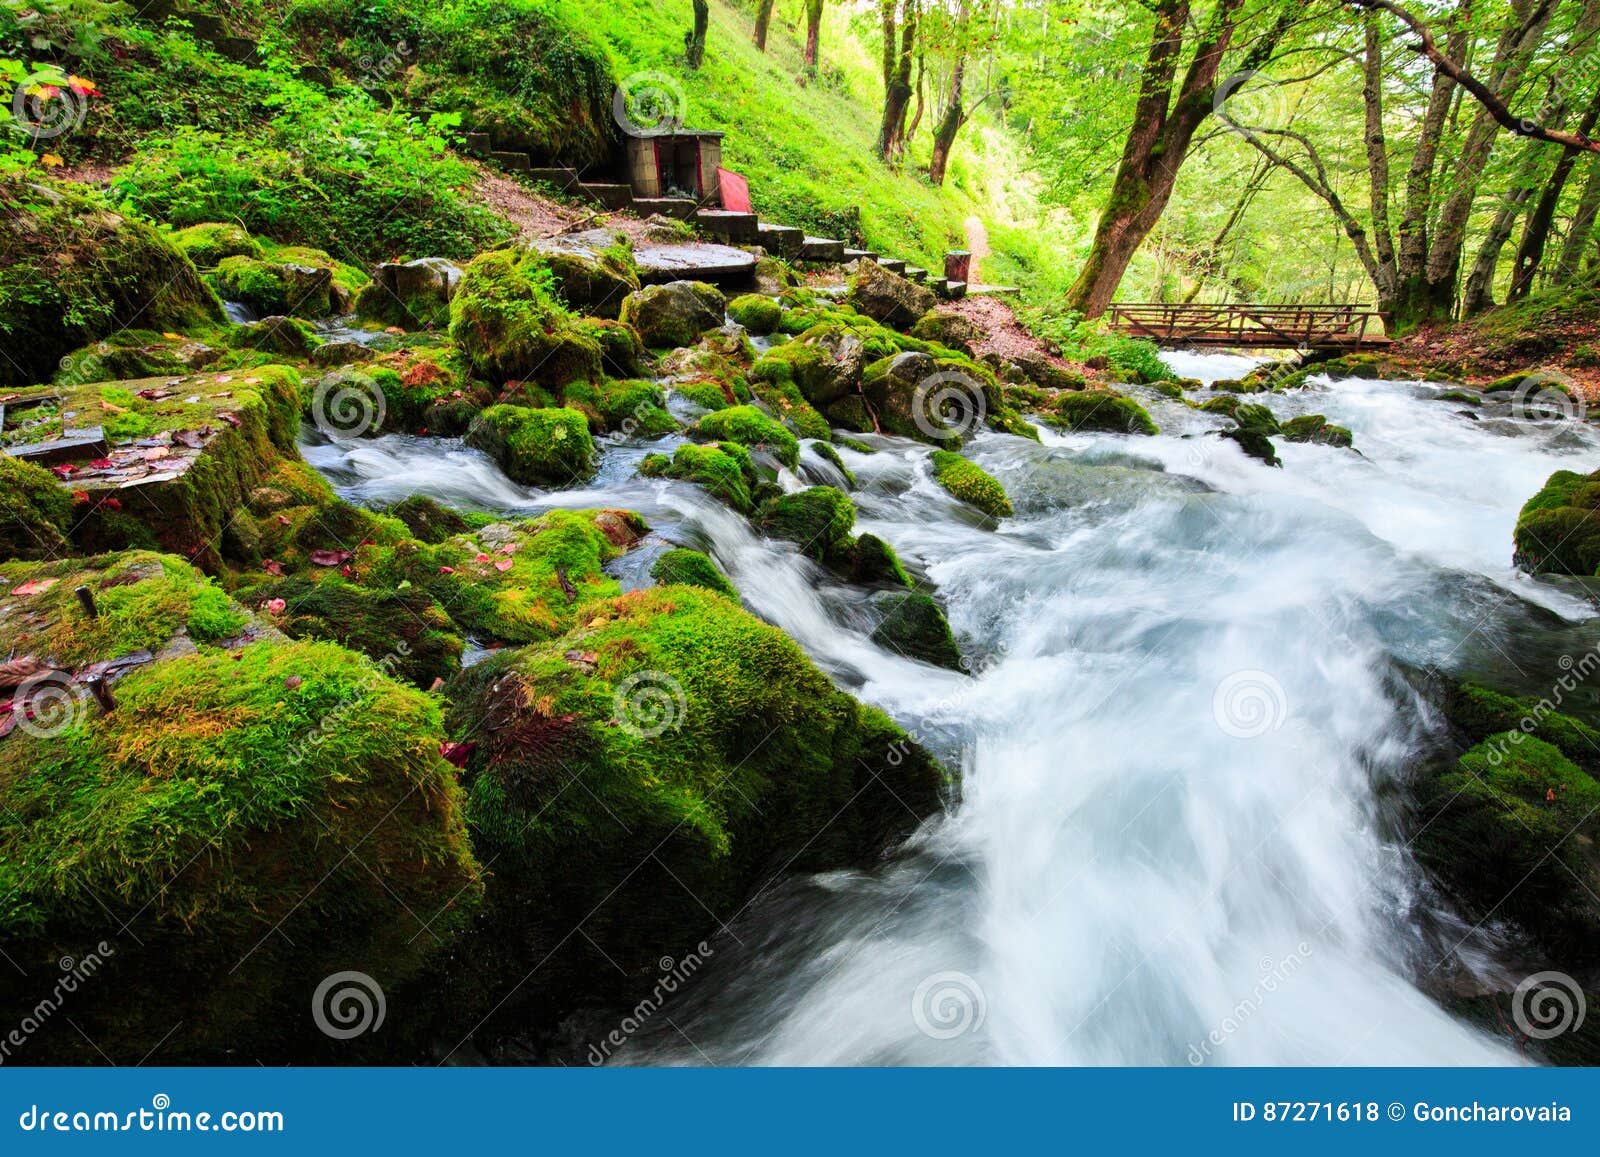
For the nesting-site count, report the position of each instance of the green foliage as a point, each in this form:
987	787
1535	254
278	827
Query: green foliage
970	483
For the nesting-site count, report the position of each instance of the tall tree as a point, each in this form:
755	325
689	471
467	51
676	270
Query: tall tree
813	35
763	22
1169	110
897	73
694	41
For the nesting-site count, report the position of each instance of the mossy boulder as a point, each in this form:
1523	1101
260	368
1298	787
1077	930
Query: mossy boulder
1558	530
214	813
870	561
1316	429
724	469
683	567
35	511
411	294
817	520
828	454
137	353
1104	411
710	752
887	297
507	319
594	271
627	409
914	626
949	329
77	272
971	483
824	366
207	245
750	427
429	520
621	351
758	314
289	280
536	447
675	314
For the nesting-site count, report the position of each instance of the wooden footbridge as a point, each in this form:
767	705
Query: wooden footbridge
1317	327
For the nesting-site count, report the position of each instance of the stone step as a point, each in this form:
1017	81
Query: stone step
821	249
917	274
680	208
519	162
563	179
698	261
784	240
478	144
950	290
606	196
735	228
860	254
893	265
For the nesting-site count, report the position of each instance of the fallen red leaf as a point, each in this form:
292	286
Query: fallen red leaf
330	557
447	570
37	586
276	606
457	754
273	567
293	681
504	564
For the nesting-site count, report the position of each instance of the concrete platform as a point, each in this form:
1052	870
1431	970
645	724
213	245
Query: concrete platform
949	290
821	249
737	228
717	264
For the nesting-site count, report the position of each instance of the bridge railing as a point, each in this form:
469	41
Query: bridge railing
1313	326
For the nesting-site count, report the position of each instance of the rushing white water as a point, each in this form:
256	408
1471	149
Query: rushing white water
1168	846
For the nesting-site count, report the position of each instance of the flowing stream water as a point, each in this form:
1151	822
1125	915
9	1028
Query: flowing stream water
1174	835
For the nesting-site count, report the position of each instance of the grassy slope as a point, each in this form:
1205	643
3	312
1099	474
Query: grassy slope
806	148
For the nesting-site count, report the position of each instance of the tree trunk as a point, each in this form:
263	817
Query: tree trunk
1582	227
944	136
694	42
763	22
1164	123
1478	296
1530	253
813	35
897	98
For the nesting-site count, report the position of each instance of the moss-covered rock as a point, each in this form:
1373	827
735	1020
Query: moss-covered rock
137	353
682	567
870	561
35	512
750	427
621	351
546	447
831	456
207	245
887	297
411	294
428	520
710	752
77	272
949	329
292	281
818	520
675	314
1316	429
758	314
595	271
214	813
971	483
627	409
724	469
1558	530
508	320
1099	410
914	626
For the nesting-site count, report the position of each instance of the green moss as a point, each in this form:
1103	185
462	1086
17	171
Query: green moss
1461	397
708	748
290	281
828	454
35	512
1317	429
748	426
77	272
870	561
621	351
725	469
683	567
536	447
818	520
217	808
508	320
1512	828
1226	404
914	626
207	245
1100	410
757	313
634	409
1481	712
674	315
430	521
971	484
1558	530
706	395
136	353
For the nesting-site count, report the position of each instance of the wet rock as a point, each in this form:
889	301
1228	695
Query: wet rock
949	329
675	314
887	297
595	271
914	626
411	294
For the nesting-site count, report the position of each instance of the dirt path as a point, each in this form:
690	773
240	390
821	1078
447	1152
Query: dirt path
977	245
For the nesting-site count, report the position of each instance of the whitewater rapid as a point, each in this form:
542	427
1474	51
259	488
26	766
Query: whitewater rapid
1169	843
